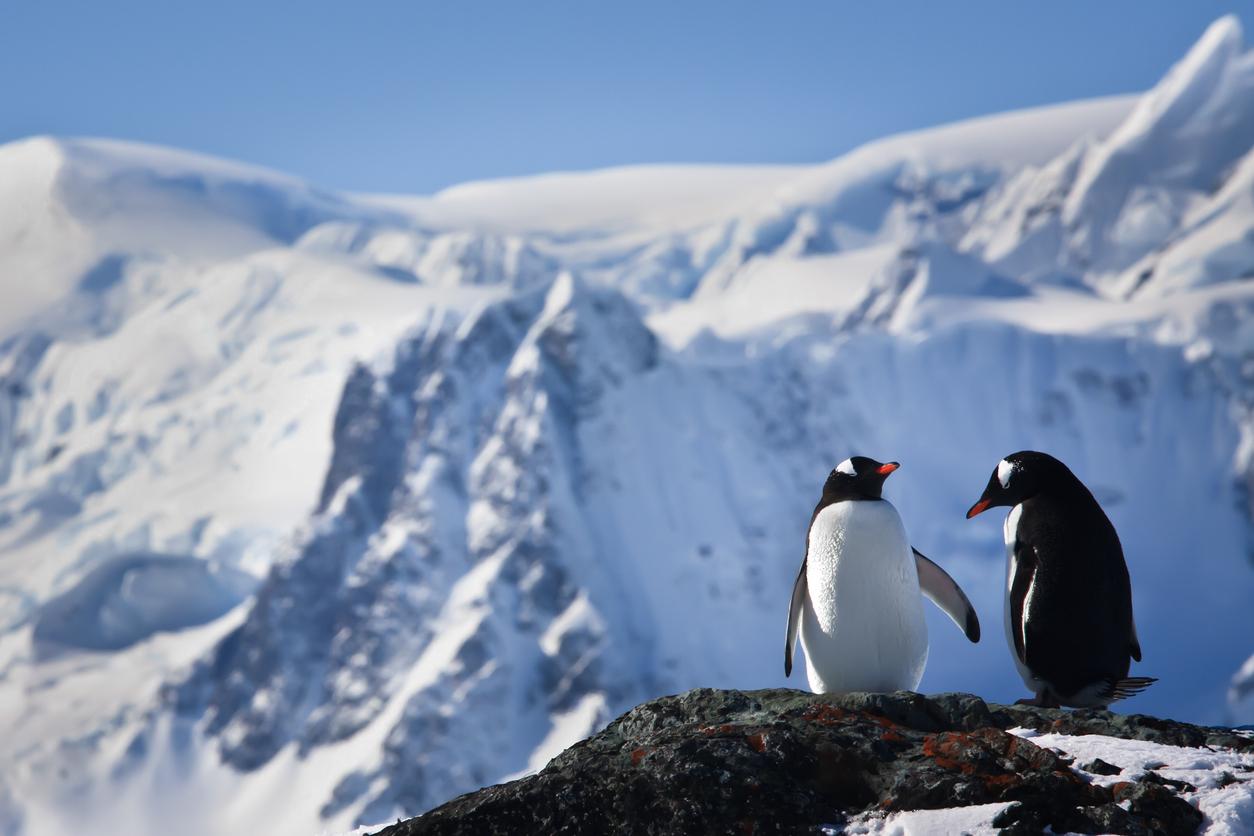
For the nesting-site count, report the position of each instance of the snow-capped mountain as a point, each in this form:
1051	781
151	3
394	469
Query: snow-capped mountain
318	509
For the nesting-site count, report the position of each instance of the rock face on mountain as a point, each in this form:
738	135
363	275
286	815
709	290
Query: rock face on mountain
783	761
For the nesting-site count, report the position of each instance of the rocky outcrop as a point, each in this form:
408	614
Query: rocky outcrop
783	761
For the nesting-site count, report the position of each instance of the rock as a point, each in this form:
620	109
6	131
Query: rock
1156	806
782	761
1097	766
1151	777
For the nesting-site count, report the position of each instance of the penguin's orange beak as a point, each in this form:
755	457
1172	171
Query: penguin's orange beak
886	469
978	508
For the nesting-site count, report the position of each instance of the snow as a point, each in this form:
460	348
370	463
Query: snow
1200	767
1229	811
128	598
976	820
508	459
1022	137
1111	204
614	199
99	700
38	240
778	293
685	196
1177	92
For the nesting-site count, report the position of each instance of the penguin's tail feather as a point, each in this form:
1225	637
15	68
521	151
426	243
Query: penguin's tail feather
1121	689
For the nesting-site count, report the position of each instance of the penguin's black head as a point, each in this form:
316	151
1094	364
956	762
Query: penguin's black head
1019	477
857	478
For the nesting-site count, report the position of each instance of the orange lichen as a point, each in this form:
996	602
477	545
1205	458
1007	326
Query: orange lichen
956	751
946	749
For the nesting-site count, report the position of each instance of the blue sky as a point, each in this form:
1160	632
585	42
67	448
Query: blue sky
414	96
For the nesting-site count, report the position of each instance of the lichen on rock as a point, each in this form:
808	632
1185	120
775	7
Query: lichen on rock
784	761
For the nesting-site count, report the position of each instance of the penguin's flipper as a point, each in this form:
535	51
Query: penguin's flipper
794	617
1022	576
945	593
1135	648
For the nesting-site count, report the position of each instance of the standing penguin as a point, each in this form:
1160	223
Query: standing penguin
1068	598
856	600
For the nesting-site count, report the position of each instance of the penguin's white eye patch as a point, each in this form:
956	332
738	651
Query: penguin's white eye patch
846	467
1005	470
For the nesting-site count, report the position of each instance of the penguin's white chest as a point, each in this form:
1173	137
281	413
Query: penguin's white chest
863	626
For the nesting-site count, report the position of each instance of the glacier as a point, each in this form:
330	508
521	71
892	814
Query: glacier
318	509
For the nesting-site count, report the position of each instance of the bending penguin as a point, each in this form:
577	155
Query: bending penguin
1068	606
856	602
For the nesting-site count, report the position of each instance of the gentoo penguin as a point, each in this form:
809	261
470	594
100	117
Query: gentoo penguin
856	600
1068	599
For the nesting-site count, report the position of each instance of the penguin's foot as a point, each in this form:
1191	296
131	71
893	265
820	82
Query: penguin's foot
1040	701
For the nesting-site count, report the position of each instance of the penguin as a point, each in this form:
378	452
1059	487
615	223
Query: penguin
1068	606
856	603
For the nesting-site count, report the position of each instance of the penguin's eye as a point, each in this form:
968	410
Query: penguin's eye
1005	470
846	467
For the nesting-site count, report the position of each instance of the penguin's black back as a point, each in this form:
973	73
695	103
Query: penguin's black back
1080	627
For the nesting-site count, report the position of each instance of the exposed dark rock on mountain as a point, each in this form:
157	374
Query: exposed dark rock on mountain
783	761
